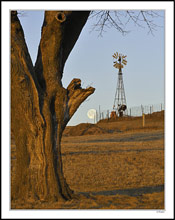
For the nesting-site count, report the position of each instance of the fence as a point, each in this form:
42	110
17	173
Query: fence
135	111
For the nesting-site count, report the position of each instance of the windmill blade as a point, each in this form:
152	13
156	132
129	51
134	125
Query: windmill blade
117	65
124	62
124	56
115	55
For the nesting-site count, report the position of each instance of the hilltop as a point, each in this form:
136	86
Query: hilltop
124	124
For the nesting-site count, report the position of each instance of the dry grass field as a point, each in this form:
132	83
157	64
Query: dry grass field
112	165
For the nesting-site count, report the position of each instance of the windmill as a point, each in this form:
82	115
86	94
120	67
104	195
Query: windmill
120	99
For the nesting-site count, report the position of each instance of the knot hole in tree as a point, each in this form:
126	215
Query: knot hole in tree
61	17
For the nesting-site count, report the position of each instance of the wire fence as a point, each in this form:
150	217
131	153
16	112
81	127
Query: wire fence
135	111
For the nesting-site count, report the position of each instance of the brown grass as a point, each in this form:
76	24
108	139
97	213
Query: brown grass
121	167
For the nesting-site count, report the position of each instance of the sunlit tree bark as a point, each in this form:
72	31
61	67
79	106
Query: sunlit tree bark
41	107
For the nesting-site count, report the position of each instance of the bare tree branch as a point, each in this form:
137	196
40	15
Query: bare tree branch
120	19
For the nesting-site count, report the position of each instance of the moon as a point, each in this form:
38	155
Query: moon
91	113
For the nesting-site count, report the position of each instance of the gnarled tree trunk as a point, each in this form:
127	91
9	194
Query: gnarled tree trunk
41	107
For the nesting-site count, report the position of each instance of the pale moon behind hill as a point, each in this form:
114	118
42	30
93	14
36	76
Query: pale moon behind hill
91	113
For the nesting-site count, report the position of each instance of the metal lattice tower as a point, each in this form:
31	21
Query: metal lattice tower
120	98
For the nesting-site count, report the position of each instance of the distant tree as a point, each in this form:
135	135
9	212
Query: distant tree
41	107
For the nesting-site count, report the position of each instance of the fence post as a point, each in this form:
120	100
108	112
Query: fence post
96	116
102	116
99	113
108	114
143	117
142	109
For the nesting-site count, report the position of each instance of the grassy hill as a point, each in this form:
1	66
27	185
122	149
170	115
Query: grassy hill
152	121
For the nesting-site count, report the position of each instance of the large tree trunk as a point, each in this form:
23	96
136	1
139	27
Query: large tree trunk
41	107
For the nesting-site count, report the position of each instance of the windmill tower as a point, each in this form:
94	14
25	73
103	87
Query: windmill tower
119	106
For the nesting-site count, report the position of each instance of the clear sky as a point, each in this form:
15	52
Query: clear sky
91	61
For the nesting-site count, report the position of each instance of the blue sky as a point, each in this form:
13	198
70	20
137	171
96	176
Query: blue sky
91	61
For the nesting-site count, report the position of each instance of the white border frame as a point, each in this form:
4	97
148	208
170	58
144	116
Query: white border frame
169	79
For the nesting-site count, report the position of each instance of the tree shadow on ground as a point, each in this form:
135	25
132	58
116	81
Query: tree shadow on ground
128	192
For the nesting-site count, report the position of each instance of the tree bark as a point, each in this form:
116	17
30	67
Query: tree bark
41	107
